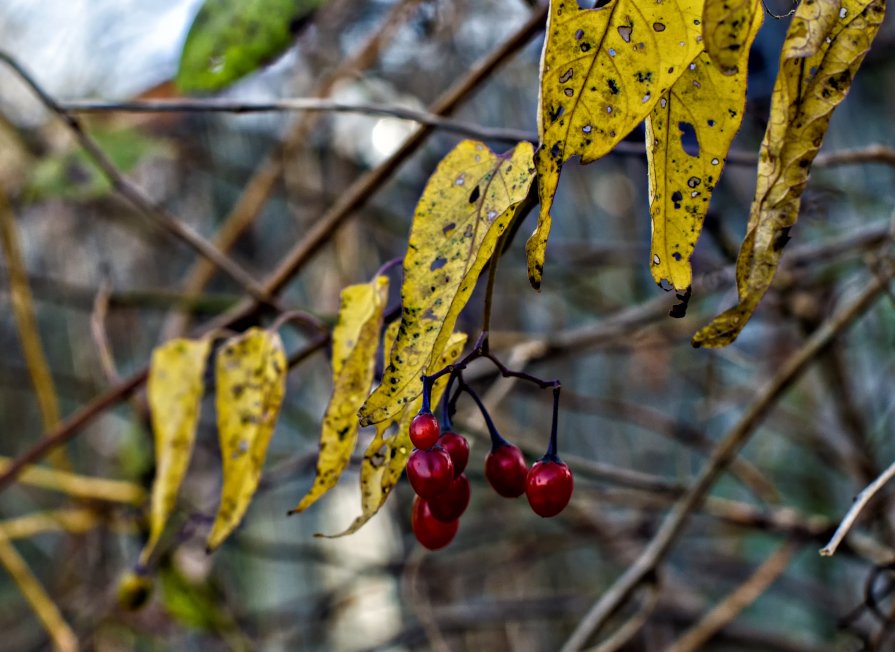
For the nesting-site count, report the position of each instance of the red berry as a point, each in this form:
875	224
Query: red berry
458	448
429	531
505	469
548	486
450	504
424	430
430	472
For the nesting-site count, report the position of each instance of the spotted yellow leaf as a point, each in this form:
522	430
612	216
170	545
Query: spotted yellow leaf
250	375
824	48
688	135
468	203
727	30
602	71
174	391
388	452
355	341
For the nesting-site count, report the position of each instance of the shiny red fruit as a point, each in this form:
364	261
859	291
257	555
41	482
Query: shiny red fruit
505	469
450	504
430	472
458	448
429	531
424	430
549	487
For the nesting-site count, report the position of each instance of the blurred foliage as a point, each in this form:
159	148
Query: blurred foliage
231	38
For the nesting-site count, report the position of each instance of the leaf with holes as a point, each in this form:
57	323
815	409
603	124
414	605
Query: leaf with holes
355	342
386	456
231	38
688	135
468	203
174	390
820	57
727	27
602	71
250	376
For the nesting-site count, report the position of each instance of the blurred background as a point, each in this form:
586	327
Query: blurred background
641	409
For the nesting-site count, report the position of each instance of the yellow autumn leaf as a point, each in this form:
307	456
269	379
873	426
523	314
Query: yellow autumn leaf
250	376
816	71
727	32
355	341
468	203
386	456
174	391
688	135
602	71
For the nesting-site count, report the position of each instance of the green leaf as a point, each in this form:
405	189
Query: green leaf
706	106
250	376
231	38
602	72
174	391
468	203
355	342
72	174
824	48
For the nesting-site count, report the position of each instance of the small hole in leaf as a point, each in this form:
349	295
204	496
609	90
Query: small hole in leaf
438	263
689	140
474	195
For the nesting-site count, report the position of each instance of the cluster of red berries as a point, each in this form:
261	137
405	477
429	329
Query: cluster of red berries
435	470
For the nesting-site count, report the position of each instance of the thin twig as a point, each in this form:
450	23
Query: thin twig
851	516
306	104
80	486
674	523
100	335
629	629
733	604
154	213
874	153
62	636
26	325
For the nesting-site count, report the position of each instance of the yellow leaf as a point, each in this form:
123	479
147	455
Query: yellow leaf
250	375
727	31
174	391
386	456
355	342
688	135
602	71
134	590
468	203
817	66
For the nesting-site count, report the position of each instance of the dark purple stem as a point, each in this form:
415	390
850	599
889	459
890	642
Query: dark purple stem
427	394
551	453
496	440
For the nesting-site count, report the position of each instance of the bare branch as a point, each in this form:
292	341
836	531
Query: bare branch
154	213
734	603
765	400
851	516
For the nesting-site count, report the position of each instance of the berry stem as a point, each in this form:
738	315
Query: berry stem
448	406
496	440
552	447
387	265
427	393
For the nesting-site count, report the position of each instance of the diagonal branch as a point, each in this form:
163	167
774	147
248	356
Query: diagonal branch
766	398
157	215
